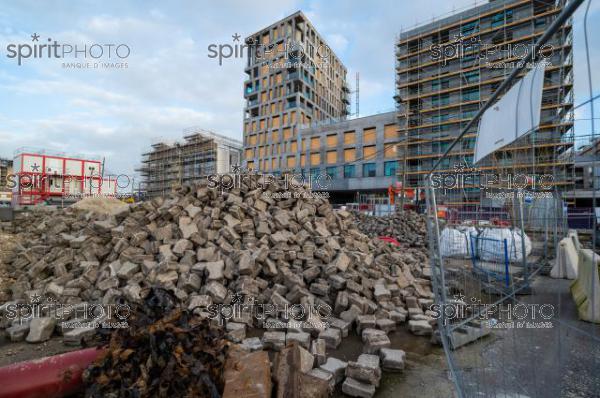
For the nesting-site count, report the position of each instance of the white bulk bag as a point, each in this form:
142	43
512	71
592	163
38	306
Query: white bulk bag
453	243
456	242
491	245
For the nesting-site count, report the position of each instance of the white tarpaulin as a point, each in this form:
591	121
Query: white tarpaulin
514	115
565	265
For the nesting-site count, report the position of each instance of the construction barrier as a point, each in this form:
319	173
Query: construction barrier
586	288
567	258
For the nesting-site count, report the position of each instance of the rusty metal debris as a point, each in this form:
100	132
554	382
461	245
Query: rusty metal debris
165	352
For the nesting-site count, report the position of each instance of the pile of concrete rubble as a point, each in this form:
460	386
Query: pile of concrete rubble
406	227
209	246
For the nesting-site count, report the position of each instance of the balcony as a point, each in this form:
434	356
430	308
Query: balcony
251	90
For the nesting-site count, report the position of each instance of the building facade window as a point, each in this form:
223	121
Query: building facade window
369	170
470	28
349	171
472	76
470	94
389	168
331	172
314	173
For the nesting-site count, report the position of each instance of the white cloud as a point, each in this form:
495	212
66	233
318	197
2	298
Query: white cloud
170	82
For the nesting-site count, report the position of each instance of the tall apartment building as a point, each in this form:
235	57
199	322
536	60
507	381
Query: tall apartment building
437	95
294	79
202	152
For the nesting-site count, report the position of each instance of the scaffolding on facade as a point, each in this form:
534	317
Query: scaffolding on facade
202	153
437	95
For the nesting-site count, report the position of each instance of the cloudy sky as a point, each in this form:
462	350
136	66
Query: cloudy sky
170	82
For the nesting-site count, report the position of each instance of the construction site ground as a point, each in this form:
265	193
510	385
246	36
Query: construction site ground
426	373
560	360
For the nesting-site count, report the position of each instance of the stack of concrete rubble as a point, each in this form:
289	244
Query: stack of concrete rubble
406	227
208	246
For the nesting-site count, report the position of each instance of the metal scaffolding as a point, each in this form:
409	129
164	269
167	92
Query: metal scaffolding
202	153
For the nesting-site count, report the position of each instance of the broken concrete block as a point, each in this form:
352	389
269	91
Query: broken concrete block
302	338
252	344
336	367
307	360
247	375
398	316
392	360
18	331
215	270
342	261
191	282
350	314
332	337
181	246
387	325
355	388
54	289
381	293
127	270
374	340
236	332
246	264
337	282
342	325
40	329
187	227
420	327
77	336
290	367
217	291
206	254
341	302
199	303
319	350
366	369
364	322
108	283
323	375
167	277
273	340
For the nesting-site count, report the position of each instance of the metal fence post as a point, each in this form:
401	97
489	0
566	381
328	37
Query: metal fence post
506	264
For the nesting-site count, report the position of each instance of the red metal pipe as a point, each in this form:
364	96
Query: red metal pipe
49	377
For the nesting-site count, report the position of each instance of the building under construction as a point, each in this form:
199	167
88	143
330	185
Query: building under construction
446	70
202	153
293	79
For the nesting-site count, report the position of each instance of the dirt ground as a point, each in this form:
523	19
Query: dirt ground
17	352
425	373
